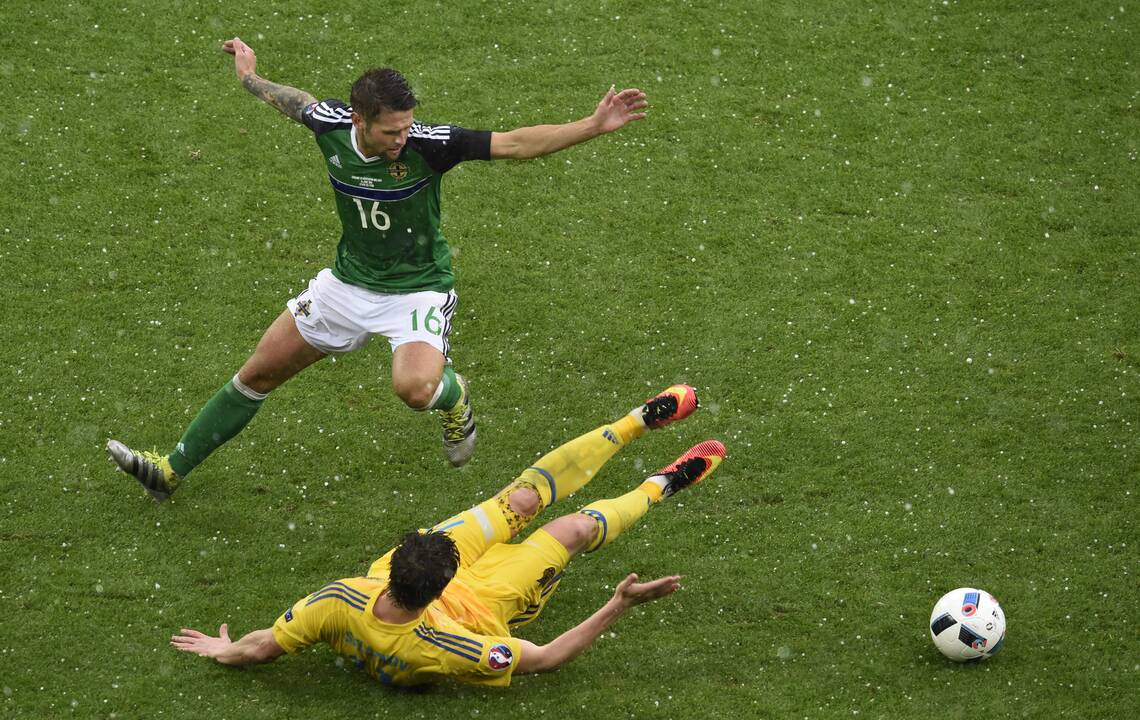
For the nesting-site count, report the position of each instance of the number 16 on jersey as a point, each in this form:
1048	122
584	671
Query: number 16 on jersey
378	217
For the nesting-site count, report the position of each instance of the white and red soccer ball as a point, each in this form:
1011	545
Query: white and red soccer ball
967	625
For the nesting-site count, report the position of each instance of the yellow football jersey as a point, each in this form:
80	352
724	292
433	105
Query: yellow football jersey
456	637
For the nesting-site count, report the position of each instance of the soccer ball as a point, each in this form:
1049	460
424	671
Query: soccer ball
967	625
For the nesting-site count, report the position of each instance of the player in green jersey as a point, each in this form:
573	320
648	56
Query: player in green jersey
447	602
392	274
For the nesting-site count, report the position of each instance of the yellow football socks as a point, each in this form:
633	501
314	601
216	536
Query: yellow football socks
566	469
629	427
616	515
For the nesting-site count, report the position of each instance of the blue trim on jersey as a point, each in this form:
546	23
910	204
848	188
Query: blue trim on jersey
334	595
420	632
447	527
549	587
378	194
338	585
457	639
601	519
549	480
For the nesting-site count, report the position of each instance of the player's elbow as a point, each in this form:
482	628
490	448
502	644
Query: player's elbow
509	146
538	659
261	648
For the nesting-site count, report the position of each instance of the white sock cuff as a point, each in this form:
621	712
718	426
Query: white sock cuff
248	391
435	395
639	413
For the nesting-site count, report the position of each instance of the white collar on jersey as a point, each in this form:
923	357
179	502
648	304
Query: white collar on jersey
356	148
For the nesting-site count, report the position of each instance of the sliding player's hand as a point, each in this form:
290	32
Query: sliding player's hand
630	592
616	109
202	644
245	62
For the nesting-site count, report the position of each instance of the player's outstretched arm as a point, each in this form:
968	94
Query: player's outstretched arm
290	101
570	644
614	112
253	648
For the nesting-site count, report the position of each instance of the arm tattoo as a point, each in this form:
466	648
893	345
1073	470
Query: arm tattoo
290	101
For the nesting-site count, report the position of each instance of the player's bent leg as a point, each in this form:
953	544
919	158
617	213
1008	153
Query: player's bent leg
555	475
566	469
458	419
607	519
281	353
520	502
476	530
492	521
423	379
575	532
417	370
517	580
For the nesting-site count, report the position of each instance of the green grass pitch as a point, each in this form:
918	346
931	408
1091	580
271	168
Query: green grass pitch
895	246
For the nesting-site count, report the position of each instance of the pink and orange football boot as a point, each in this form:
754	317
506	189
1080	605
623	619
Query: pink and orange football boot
674	403
694	466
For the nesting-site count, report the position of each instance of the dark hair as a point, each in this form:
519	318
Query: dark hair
381	89
422	566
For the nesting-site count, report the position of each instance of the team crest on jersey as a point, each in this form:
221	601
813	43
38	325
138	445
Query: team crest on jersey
500	657
335	160
398	170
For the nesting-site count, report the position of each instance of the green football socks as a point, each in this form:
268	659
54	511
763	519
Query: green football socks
223	417
449	391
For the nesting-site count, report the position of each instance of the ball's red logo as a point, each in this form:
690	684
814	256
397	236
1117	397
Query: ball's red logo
970	603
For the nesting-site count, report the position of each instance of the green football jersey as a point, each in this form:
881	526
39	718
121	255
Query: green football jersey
389	210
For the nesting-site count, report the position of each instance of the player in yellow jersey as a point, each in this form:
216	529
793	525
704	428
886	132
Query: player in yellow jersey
445	601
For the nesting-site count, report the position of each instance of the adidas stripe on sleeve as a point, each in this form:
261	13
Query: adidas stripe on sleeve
325	115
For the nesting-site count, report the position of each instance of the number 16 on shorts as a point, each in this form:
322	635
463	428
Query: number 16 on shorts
426	317
431	321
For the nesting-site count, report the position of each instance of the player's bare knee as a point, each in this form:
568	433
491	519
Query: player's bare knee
257	380
584	527
525	501
416	394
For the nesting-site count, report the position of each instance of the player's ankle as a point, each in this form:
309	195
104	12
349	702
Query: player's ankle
630	427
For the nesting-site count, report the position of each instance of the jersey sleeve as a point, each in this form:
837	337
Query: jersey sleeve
498	662
445	146
300	626
473	658
325	115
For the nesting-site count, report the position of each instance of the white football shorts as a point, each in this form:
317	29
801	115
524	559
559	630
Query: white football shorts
335	317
